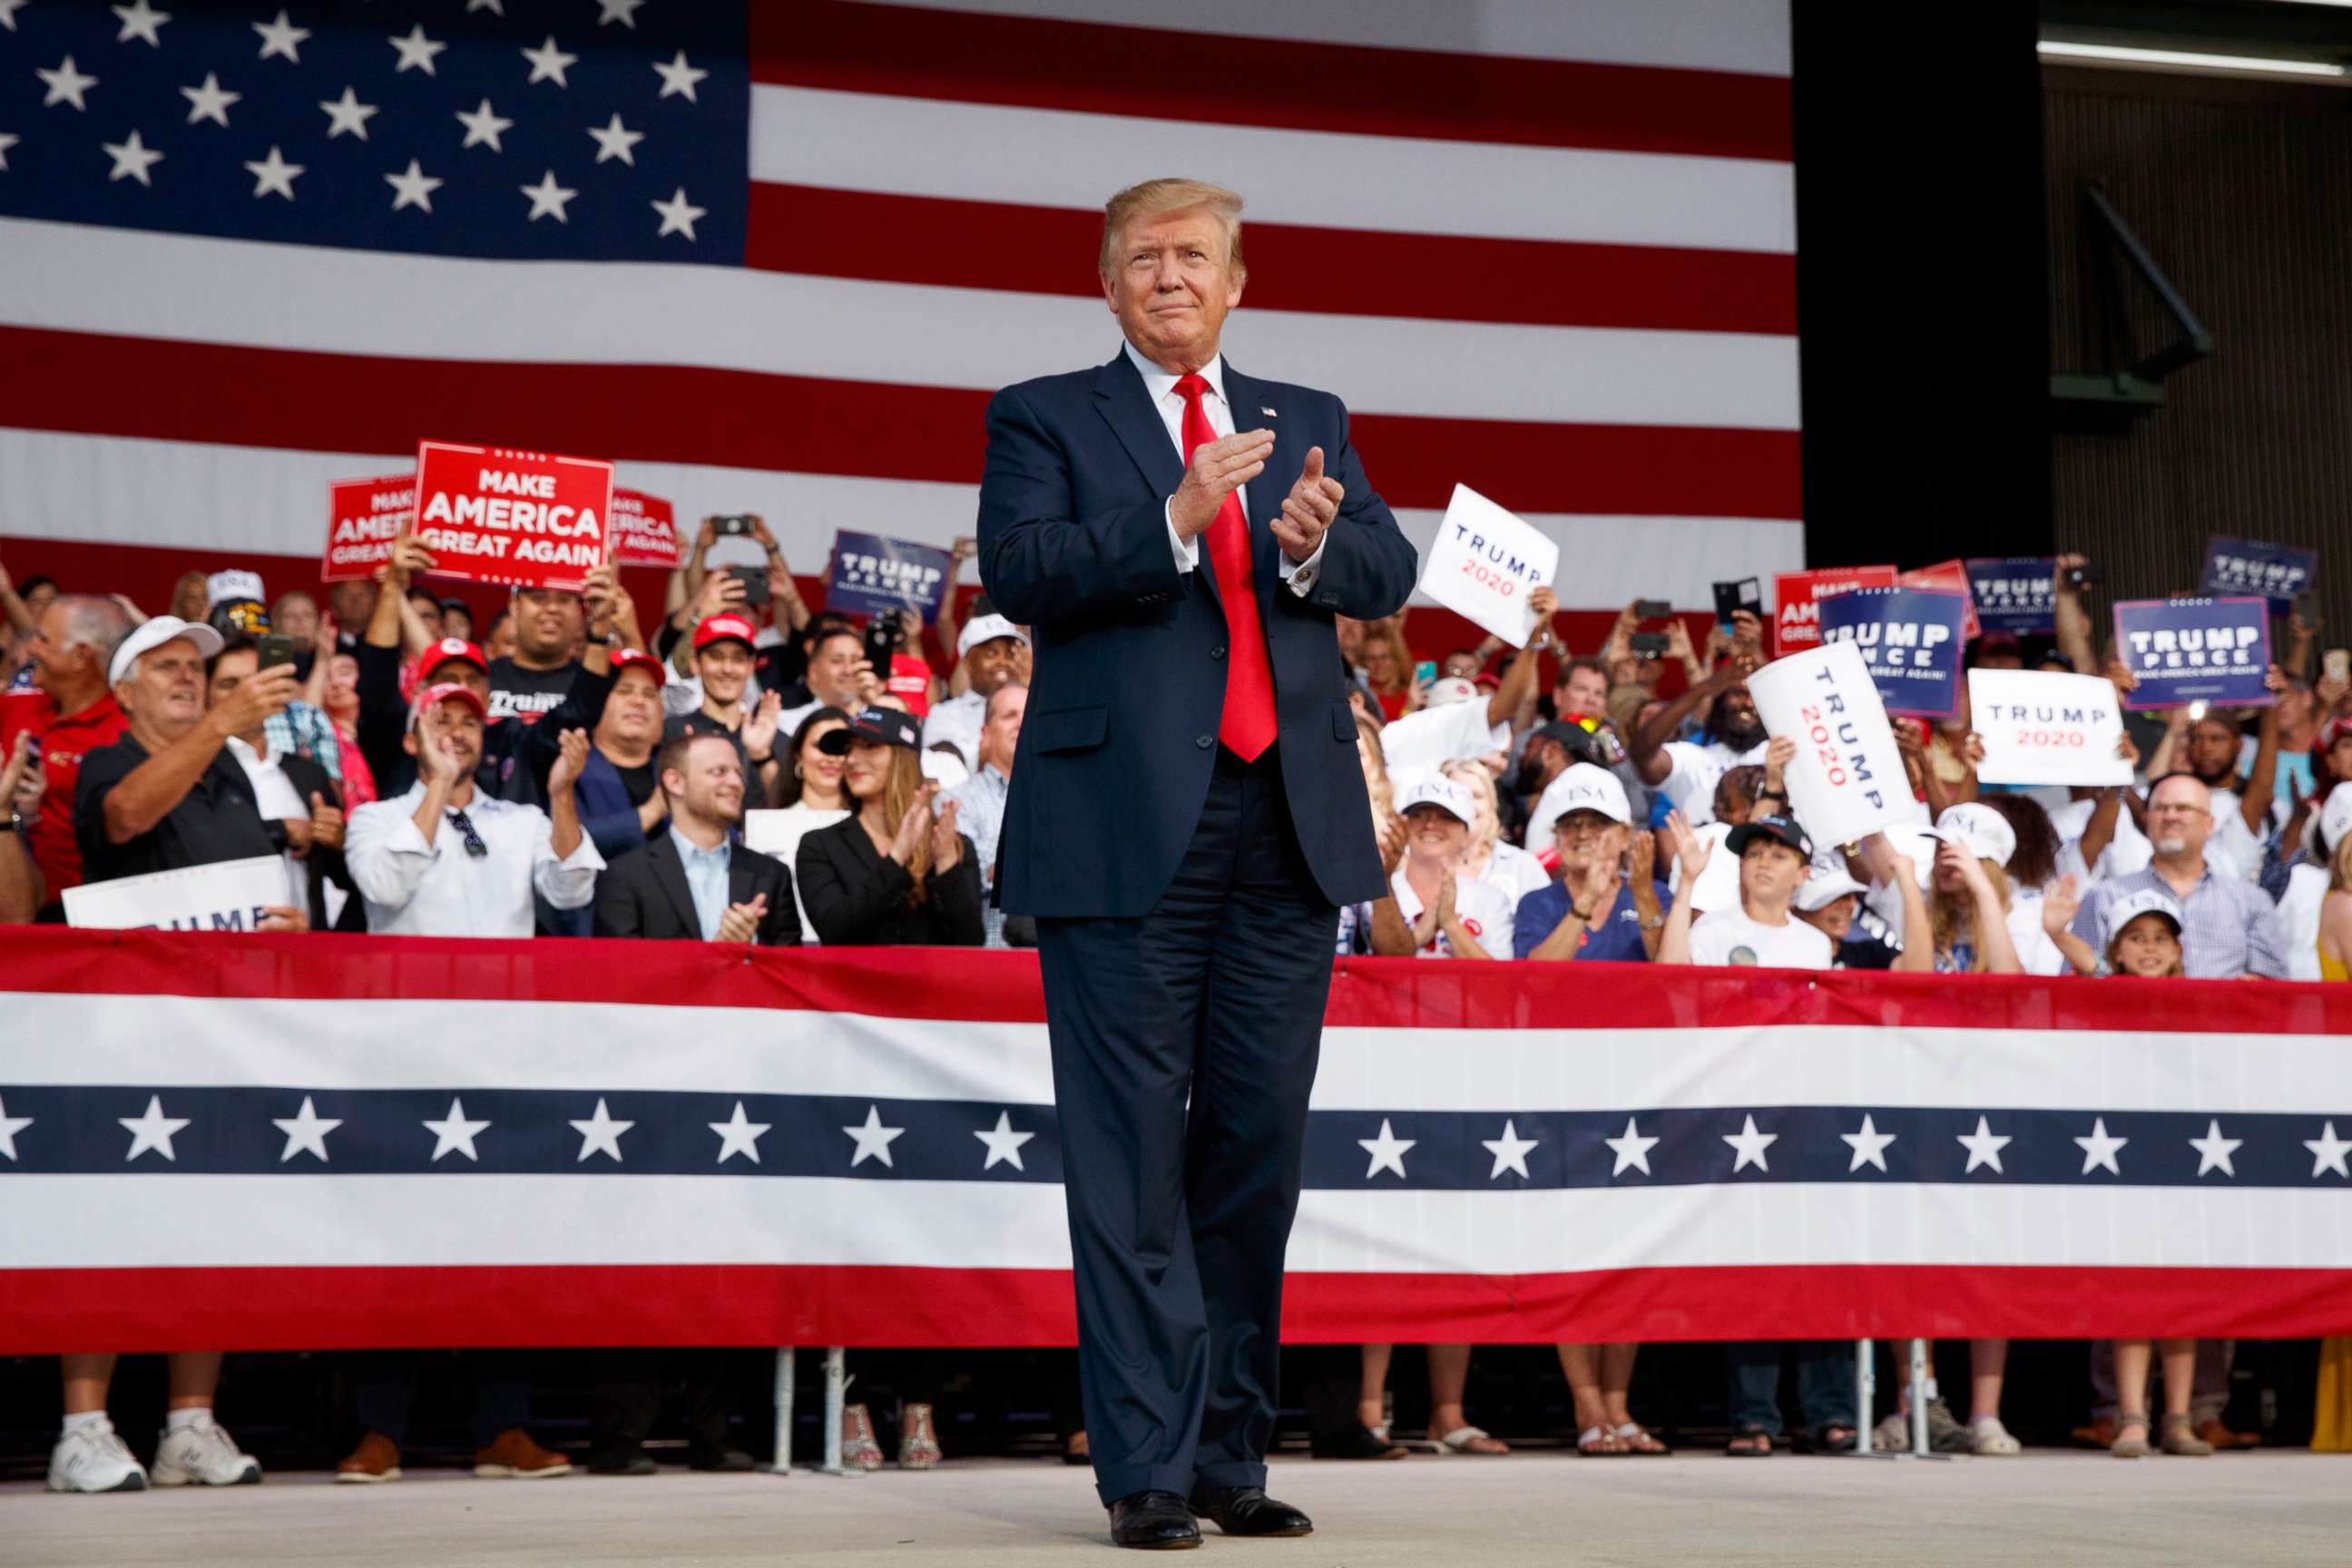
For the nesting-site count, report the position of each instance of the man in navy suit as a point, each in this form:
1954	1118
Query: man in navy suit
1187	814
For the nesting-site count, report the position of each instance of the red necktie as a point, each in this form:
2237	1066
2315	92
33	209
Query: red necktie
1247	727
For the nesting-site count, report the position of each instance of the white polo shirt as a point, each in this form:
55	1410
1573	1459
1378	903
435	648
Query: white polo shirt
1485	910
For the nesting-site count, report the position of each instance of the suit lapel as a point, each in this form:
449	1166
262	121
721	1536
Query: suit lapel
740	881
1249	402
1127	407
670	872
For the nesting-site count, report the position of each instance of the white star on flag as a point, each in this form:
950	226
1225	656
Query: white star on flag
412	189
547	63
209	100
1633	1150
678	214
616	140
66	84
132	159
679	77
494	8
601	1134
455	1133
1869	1146
152	1131
484	125
1004	1143
739	1135
417	50
1751	1145
1984	1146
10	1125
1510	1151
8	9
273	174
2213	1151
281	38
139	20
872	1139
306	1131
6	142
2327	1151
1387	1151
347	113
625	12
2099	1149
547	198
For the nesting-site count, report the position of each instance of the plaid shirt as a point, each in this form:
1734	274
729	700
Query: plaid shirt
2228	930
303	730
979	816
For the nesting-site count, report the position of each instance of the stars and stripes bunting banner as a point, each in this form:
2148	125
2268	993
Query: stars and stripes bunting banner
307	1141
774	258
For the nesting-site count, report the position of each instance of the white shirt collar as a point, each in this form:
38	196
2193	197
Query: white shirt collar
247	754
1160	382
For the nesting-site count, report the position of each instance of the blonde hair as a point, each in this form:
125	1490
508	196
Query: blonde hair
1390	632
1154	197
1948	912
2340	865
1487	831
899	791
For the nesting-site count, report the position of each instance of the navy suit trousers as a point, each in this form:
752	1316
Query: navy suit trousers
1184	1044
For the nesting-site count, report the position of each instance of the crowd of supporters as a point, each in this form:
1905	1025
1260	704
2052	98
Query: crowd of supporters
750	771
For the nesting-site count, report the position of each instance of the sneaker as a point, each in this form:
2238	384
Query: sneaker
93	1459
204	1455
1991	1439
1892	1435
373	1462
1945	1435
514	1456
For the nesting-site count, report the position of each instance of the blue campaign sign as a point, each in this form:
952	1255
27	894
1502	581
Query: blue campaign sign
2277	572
871	572
2015	594
2195	650
1910	638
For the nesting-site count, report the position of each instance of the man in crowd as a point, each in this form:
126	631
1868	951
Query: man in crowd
70	713
2230	930
1733	735
620	798
2208	750
1582	687
696	881
354	603
442	858
723	654
838	676
549	624
291	791
1606	903
994	653
980	799
1775	858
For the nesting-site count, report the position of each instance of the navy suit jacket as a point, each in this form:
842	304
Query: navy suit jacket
1117	749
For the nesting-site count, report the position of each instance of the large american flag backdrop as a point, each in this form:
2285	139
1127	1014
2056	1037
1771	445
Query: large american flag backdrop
257	1142
774	260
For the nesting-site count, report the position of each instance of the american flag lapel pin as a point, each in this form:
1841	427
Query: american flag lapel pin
1269	412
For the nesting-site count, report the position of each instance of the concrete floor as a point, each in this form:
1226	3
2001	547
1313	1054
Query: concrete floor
2048	1509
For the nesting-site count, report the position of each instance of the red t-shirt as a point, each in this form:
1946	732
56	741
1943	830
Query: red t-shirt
65	741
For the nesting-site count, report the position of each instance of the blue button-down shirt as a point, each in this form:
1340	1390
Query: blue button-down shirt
2228	930
706	878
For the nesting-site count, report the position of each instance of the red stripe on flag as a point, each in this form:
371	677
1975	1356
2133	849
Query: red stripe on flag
1277	83
49	1311
1050	251
245	397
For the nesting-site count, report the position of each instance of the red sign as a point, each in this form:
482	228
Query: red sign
1797	597
361	517
644	531
1952	575
492	514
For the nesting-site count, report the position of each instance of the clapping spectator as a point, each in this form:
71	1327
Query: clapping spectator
444	859
1488	856
1608	903
620	798
731	705
698	880
1435	910
69	713
892	873
992	653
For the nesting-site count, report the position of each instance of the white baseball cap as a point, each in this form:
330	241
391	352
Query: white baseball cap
1979	829
2336	817
1822	889
986	628
1441	792
1585	787
153	633
2132	905
1453	689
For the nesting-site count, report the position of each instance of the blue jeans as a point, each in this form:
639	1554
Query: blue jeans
1825	1394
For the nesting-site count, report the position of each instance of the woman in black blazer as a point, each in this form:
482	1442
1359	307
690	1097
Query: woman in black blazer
892	874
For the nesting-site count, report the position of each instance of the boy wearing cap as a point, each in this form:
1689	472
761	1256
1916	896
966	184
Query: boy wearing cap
1438	912
1775	858
1607	904
724	660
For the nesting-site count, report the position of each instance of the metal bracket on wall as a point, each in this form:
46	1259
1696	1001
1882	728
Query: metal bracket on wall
2113	255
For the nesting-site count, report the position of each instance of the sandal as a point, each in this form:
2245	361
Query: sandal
1837	1438
2178	1435
1633	1438
2131	1438
919	1445
859	1451
1750	1443
1469	1440
1599	1443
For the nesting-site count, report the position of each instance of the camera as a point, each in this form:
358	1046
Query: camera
1649	645
2088	572
1653	609
731	527
882	641
755	582
271	649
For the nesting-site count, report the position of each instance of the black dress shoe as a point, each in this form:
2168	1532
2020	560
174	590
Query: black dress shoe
1247	1510
623	1464
1355	1441
726	1461
1153	1521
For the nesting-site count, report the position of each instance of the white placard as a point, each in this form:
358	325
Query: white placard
2040	727
1485	563
228	895
1847	780
773	832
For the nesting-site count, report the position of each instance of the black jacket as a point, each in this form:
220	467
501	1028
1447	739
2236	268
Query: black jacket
645	893
324	865
856	896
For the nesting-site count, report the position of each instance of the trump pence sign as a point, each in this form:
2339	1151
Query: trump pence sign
1911	639
2195	650
1797	601
495	514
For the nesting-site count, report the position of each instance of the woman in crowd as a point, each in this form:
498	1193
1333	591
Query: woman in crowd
190	599
890	874
1489	858
1388	665
812	796
1437	911
334	688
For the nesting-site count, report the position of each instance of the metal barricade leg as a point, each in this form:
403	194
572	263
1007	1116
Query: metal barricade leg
836	1388
1865	1392
782	1465
1922	1391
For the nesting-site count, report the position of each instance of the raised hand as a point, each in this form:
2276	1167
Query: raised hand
326	822
1644	859
21	781
946	844
257	697
760	729
913	827
408	556
1393	838
2059	903
1309	510
742	922
1218	469
570	757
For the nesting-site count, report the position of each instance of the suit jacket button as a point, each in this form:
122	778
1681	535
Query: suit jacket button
1218	651
1205	742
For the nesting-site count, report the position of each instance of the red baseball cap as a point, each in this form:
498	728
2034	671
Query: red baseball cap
638	659
437	654
447	692
720	627
2334	729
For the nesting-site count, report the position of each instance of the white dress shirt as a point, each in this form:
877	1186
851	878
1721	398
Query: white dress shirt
1161	386
275	796
415	889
